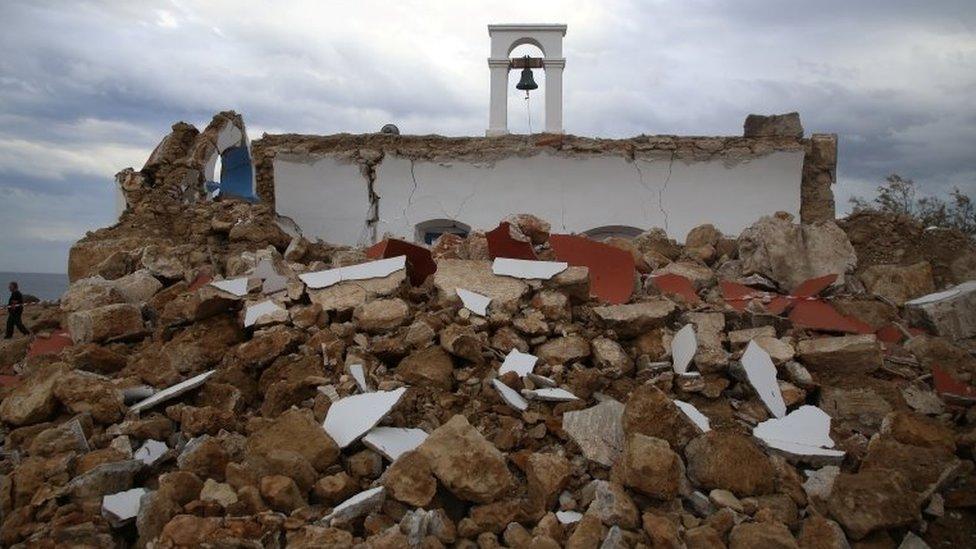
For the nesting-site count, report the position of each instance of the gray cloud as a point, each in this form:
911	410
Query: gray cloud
87	88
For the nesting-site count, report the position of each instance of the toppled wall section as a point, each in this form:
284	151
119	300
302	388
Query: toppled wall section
352	189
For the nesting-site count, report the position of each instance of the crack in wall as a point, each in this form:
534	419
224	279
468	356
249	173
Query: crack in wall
660	192
370	226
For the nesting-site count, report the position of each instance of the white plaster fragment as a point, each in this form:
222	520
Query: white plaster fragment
762	376
151	451
474	302
510	396
393	442
351	417
684	345
518	362
358	373
568	517
552	394
272	281
356	506
253	313
233	286
121	507
371	269
696	417
229	136
804	432
171	392
541	381
527	269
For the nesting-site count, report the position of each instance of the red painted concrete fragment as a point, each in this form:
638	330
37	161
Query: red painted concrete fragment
674	284
612	270
822	316
50	345
501	244
420	264
947	385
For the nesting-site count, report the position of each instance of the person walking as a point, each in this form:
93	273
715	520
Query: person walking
15	308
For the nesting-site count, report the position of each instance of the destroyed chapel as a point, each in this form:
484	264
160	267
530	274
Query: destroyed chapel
530	341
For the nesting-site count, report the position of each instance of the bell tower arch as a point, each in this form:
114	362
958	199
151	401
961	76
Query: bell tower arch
504	39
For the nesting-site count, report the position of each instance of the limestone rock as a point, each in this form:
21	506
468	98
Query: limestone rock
410	480
90	293
951	313
871	500
899	283
843	354
83	393
610	503
476	276
650	412
633	319
296	431
563	350
649	466
33	400
610	357
821	533
708	458
118	321
772	535
466	463
13	351
789	253
598	431
547	475
281	493
381	315
430	366
774	125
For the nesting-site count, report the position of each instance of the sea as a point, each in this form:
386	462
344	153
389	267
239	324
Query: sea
45	286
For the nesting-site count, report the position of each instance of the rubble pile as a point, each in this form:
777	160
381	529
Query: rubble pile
211	380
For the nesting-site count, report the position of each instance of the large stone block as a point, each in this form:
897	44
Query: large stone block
110	322
951	313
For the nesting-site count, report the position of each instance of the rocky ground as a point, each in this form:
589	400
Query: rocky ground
651	443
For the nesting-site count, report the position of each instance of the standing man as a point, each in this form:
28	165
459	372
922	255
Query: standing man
15	308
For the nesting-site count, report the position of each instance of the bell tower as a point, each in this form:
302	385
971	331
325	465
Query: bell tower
504	39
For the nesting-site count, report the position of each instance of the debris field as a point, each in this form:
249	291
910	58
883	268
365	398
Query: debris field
212	378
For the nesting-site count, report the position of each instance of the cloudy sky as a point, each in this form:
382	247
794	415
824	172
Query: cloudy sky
88	88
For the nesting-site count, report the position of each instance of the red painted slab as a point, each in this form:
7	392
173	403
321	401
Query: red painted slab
420	264
9	381
890	334
501	244
813	286
612	270
819	315
738	295
675	284
200	281
51	345
949	386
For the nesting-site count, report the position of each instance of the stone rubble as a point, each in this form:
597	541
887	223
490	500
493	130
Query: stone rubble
365	410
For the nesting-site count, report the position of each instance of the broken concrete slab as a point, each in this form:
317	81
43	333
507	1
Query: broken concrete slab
684	345
527	269
352	417
802	434
951	313
510	396
264	312
356	506
393	442
363	271
699	419
172	392
761	374
518	362
551	394
474	302
122	507
151	452
598	431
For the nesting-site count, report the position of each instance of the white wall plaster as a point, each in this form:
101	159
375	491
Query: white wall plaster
328	198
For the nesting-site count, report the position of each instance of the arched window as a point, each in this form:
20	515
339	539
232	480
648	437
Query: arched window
607	231
428	231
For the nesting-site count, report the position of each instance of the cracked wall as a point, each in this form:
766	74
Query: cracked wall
356	189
